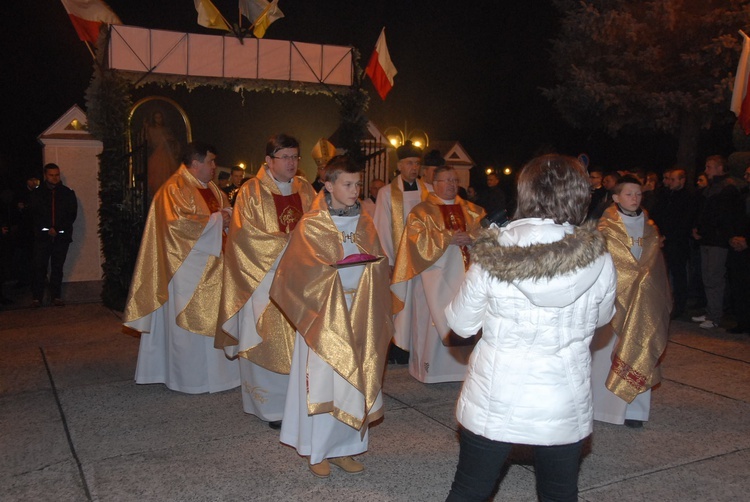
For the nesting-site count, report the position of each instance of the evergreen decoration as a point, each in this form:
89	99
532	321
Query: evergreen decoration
353	105
108	103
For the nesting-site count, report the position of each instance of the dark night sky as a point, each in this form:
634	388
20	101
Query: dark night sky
463	74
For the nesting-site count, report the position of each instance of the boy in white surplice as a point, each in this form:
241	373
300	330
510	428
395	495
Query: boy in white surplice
332	285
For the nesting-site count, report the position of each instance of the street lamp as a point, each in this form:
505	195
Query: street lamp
397	137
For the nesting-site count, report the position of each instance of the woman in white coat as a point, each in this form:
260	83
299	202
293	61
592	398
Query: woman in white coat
538	288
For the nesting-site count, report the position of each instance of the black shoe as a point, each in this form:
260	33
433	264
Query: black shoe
58	302
397	355
676	314
5	301
35	304
634	424
738	330
275	425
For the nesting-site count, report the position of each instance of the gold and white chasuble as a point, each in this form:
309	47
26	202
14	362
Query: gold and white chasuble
249	325
391	209
343	316
176	284
643	301
427	274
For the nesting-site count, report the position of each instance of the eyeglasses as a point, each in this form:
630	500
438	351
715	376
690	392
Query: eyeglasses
287	157
452	182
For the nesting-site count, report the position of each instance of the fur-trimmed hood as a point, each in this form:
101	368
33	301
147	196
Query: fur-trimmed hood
551	264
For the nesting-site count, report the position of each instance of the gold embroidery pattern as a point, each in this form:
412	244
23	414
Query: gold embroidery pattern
628	373
289	217
638	242
256	393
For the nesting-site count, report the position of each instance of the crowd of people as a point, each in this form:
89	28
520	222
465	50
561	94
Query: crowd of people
301	293
703	230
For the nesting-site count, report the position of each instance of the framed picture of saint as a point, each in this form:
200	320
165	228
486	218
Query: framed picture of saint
159	131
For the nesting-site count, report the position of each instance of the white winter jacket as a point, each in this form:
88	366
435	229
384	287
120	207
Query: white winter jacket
538	290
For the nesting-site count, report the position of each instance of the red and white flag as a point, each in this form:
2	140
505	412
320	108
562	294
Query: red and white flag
380	68
88	15
740	98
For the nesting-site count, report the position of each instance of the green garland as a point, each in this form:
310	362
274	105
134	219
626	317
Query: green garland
108	103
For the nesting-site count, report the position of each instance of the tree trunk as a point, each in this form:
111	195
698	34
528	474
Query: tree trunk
687	144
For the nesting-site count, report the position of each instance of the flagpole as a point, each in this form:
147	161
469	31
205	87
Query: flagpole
91	51
224	19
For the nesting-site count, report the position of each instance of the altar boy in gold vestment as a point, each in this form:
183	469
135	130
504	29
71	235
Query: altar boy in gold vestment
433	257
266	210
625	360
332	284
176	285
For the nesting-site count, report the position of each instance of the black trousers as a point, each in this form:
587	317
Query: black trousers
49	253
677	258
480	462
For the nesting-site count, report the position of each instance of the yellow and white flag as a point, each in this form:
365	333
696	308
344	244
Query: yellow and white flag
209	16
262	13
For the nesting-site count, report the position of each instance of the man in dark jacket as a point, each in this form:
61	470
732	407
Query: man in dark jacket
54	208
673	213
714	229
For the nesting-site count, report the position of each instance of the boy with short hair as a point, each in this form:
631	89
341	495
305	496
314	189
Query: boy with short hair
625	359
332	285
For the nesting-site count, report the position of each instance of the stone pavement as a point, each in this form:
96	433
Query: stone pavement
75	427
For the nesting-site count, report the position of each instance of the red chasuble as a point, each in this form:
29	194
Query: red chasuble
453	217
288	210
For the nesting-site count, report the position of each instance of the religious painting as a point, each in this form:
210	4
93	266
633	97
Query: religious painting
159	132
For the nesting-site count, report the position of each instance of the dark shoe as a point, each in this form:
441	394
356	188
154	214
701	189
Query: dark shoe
634	424
275	425
738	330
5	301
397	355
35	304
58	302
676	314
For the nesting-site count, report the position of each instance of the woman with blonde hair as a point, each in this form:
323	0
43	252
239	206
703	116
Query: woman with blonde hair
538	288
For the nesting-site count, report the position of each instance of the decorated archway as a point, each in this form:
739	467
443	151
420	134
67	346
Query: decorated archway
130	57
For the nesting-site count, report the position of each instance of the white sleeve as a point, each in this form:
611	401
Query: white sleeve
210	240
465	313
383	223
609	283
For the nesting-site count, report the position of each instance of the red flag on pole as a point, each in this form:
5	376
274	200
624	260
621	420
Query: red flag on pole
380	68
88	15
740	98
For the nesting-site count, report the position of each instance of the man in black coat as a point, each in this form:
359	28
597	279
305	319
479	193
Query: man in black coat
674	213
54	208
714	228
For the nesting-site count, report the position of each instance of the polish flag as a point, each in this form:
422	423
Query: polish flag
88	15
740	98
380	68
